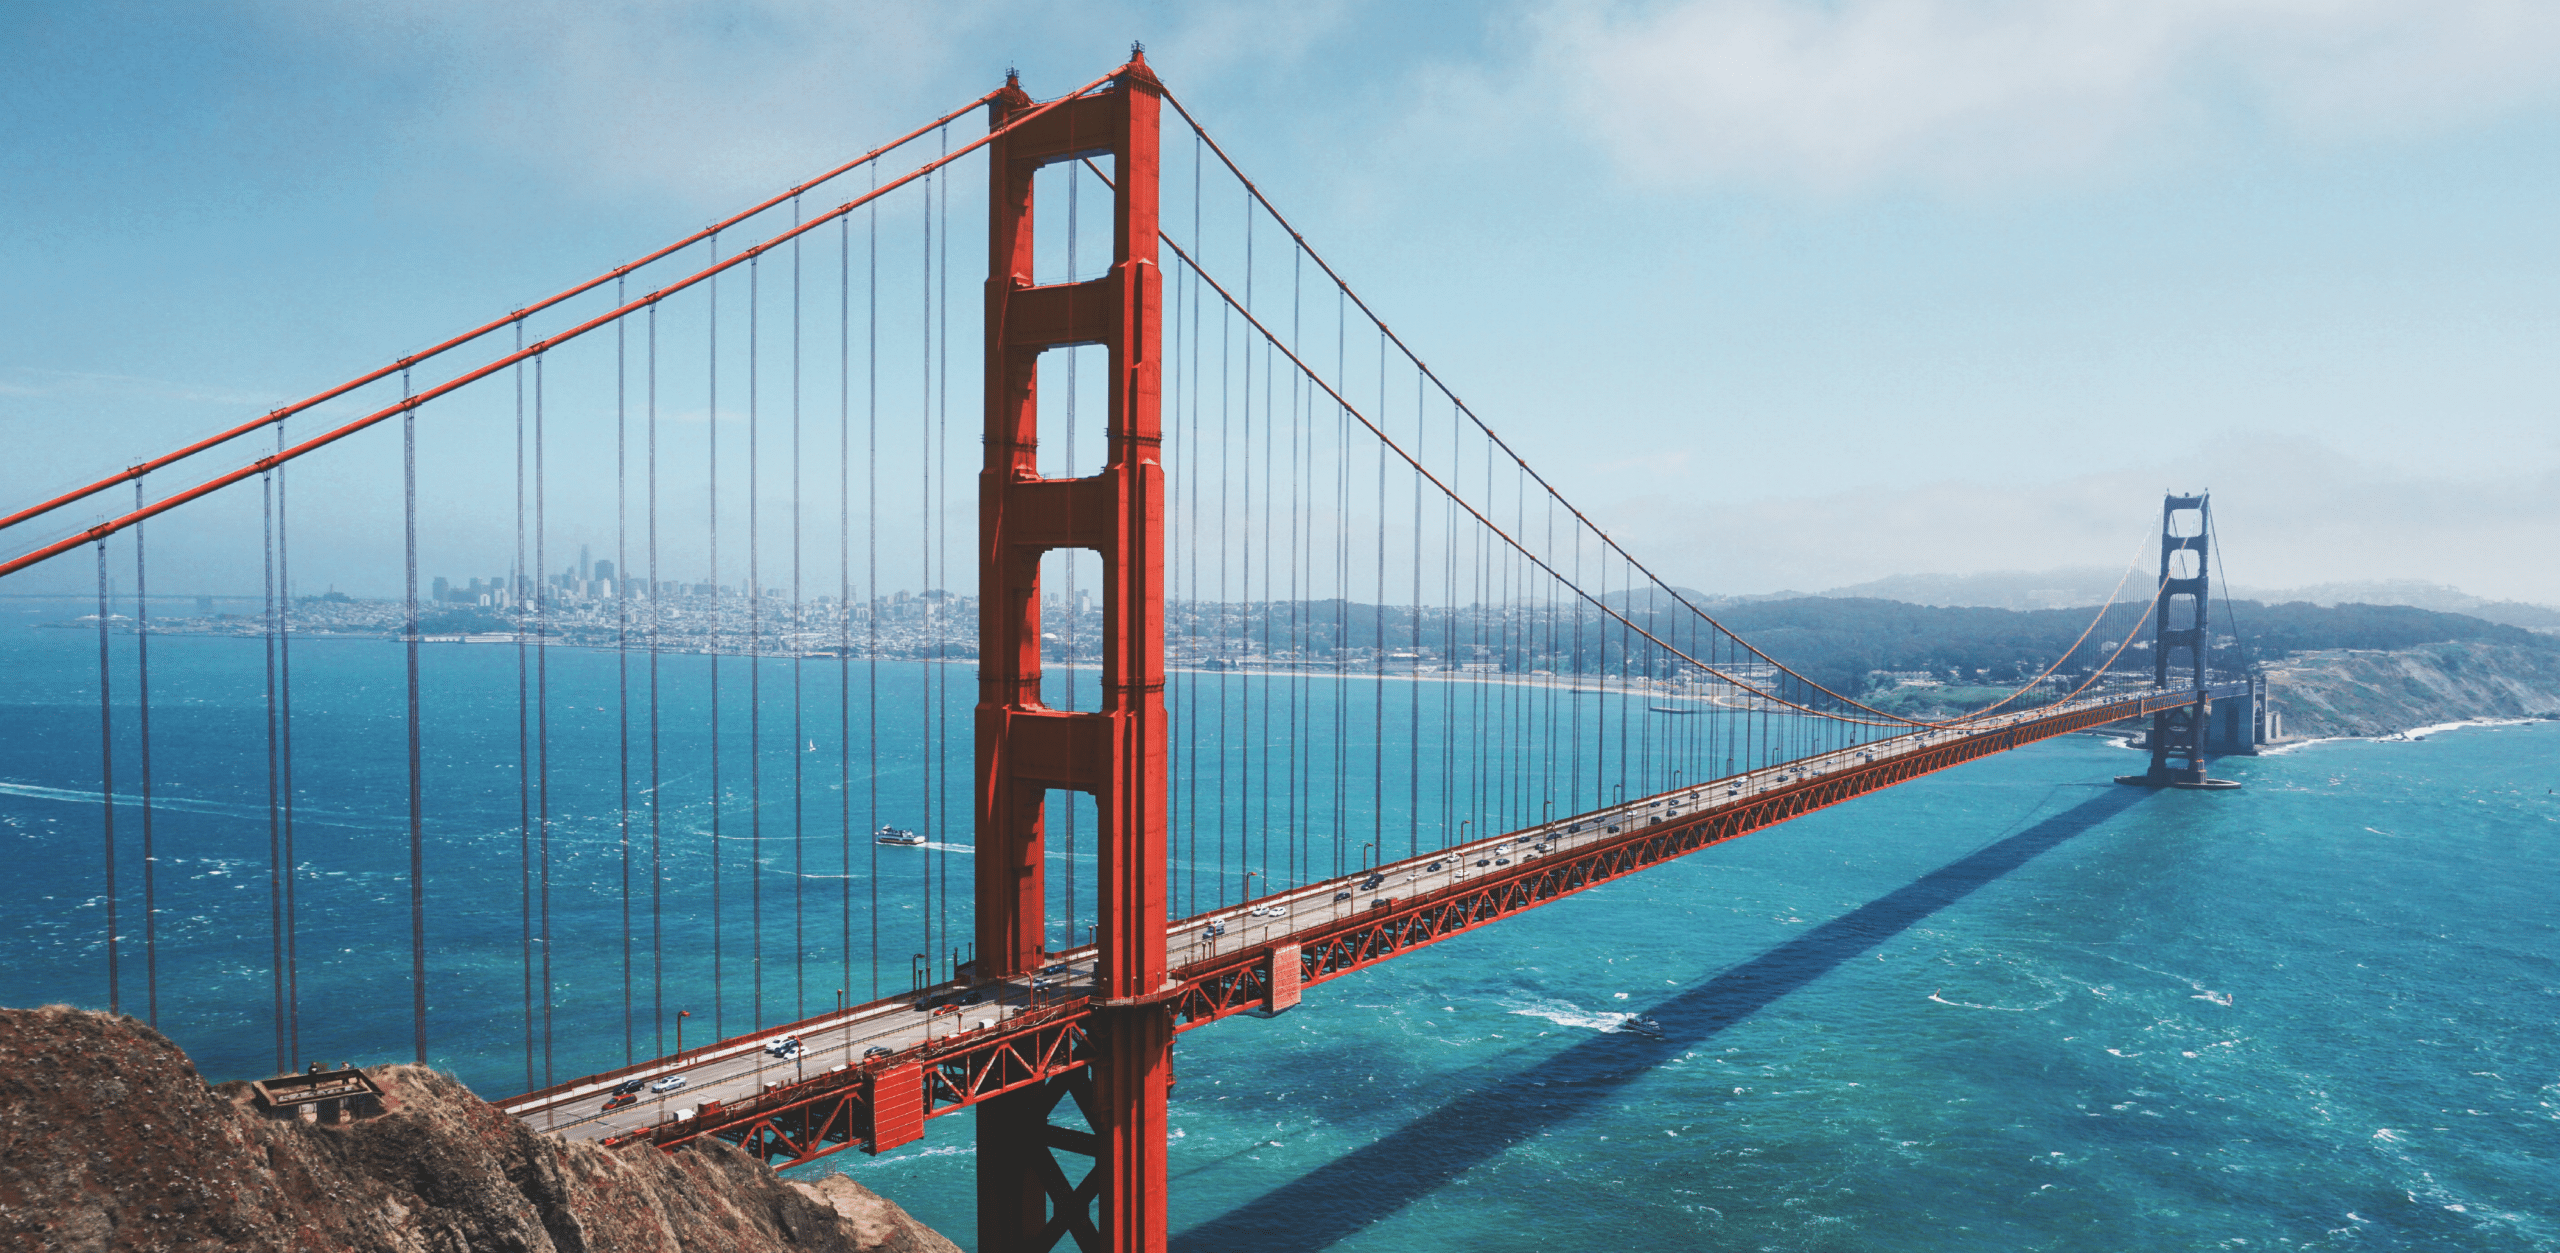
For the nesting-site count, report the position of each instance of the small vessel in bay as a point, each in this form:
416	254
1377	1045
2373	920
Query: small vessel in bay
896	835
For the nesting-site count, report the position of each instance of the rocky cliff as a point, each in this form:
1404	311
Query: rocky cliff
2371	692
109	1140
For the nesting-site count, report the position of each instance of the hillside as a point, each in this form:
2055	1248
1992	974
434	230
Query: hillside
109	1140
2336	692
1841	643
2087	586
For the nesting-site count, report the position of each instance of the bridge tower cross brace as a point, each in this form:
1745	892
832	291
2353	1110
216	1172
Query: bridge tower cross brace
1117	755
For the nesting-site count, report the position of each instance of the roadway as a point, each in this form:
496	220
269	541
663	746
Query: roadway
742	1066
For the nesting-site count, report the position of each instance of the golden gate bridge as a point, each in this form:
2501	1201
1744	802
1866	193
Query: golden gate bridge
1291	612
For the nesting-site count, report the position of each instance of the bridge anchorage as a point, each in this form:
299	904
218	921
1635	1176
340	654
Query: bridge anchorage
1442	652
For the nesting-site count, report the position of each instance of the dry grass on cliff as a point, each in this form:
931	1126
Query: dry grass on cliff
2369	692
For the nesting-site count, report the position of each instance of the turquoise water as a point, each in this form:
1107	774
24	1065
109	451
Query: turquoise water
2006	1007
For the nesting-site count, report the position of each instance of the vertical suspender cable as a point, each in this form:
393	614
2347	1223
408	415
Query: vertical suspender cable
942	531
657	874
844	592
1413	710
1192	467
542	698
1222	608
755	654
924	563
622	650
872	600
516	592
284	729
799	939
1245	703
843	588
1344	581
1449	648
417	777
1295	780
719	1001
1378	685
1574	703
107	785
275	806
142	700
943	459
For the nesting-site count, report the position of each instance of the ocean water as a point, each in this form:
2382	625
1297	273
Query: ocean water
2010	1006
2007	1007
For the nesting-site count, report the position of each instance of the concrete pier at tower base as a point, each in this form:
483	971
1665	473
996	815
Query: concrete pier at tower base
2193	785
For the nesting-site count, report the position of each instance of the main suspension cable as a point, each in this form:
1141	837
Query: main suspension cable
277	416
522	352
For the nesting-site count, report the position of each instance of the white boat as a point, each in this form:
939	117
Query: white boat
896	835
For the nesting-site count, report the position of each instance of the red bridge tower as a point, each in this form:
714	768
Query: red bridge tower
1025	749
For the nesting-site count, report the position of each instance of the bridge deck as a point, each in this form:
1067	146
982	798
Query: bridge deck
957	1043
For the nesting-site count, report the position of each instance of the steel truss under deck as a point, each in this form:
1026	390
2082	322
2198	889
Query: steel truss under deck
883	1104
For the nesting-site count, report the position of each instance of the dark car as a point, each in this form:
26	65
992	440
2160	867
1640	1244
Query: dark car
876	1050
629	1086
1342	896
1382	902
1433	866
1372	881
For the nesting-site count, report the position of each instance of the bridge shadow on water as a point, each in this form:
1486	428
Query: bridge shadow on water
1376	1180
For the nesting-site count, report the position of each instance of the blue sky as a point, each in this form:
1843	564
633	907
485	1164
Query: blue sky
1788	294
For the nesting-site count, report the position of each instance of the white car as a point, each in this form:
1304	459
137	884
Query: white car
786	1048
668	1084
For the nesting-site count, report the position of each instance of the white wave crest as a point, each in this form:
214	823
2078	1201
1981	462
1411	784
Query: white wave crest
1567	1014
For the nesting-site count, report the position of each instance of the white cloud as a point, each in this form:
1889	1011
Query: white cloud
1966	93
704	103
713	103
